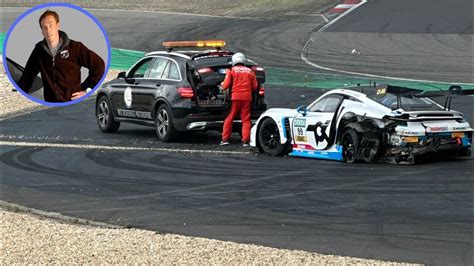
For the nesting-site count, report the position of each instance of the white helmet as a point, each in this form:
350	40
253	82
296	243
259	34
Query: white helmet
238	58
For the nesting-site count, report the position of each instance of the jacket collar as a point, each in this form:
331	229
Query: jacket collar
65	42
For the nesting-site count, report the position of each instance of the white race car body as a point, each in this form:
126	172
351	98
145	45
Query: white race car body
382	128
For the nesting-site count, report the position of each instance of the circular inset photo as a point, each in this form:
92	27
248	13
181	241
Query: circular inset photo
56	54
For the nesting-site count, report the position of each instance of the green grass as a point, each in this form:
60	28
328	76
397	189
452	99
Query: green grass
2	38
281	76
124	59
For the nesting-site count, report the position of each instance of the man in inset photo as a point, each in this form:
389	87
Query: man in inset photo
59	60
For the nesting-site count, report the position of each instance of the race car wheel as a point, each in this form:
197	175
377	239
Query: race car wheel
105	116
350	145
269	138
163	122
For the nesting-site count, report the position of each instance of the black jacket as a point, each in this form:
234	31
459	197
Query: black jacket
61	74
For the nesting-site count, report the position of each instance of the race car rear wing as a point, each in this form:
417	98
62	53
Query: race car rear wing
380	91
453	91
383	89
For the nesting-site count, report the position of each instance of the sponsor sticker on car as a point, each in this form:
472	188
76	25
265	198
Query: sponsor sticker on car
301	139
299	122
381	91
127	97
437	129
410	139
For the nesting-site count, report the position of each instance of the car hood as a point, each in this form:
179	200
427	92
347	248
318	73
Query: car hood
281	112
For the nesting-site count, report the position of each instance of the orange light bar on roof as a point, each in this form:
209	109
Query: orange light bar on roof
207	43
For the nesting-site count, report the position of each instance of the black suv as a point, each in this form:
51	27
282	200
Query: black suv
174	91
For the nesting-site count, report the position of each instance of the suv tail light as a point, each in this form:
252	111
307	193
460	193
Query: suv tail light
205	70
261	90
186	92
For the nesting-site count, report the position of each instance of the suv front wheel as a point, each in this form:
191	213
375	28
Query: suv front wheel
164	123
105	116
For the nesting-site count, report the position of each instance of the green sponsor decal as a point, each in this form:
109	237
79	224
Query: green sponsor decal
299	122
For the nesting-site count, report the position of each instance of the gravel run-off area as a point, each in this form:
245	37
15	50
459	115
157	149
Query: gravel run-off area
29	238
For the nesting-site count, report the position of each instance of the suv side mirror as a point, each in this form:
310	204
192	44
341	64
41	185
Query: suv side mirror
302	110
121	75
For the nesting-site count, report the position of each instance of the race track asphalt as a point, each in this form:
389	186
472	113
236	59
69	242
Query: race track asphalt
423	40
421	213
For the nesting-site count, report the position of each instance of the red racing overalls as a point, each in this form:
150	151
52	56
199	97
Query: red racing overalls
243	82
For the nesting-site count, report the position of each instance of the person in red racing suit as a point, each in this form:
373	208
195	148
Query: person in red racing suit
243	82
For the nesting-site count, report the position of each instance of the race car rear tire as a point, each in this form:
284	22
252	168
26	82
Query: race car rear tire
164	124
350	145
269	138
105	116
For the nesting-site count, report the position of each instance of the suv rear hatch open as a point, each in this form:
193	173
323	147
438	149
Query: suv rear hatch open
206	72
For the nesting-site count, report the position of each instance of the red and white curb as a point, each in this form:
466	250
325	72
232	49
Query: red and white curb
344	6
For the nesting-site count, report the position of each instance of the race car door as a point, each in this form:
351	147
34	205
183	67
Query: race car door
317	130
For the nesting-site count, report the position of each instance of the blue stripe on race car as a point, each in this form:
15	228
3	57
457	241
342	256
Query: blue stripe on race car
283	125
329	155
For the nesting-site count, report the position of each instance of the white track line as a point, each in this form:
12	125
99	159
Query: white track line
113	148
304	57
344	6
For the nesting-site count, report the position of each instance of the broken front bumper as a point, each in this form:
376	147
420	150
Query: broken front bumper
411	147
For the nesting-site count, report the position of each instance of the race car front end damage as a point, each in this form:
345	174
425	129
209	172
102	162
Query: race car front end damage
366	123
418	136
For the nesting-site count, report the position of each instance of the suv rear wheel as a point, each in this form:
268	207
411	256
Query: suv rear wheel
164	124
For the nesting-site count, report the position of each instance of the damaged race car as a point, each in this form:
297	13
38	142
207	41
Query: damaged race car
366	123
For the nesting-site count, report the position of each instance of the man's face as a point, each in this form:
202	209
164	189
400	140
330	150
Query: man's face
50	28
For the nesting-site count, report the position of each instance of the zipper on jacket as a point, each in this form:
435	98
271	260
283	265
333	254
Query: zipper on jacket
54	71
